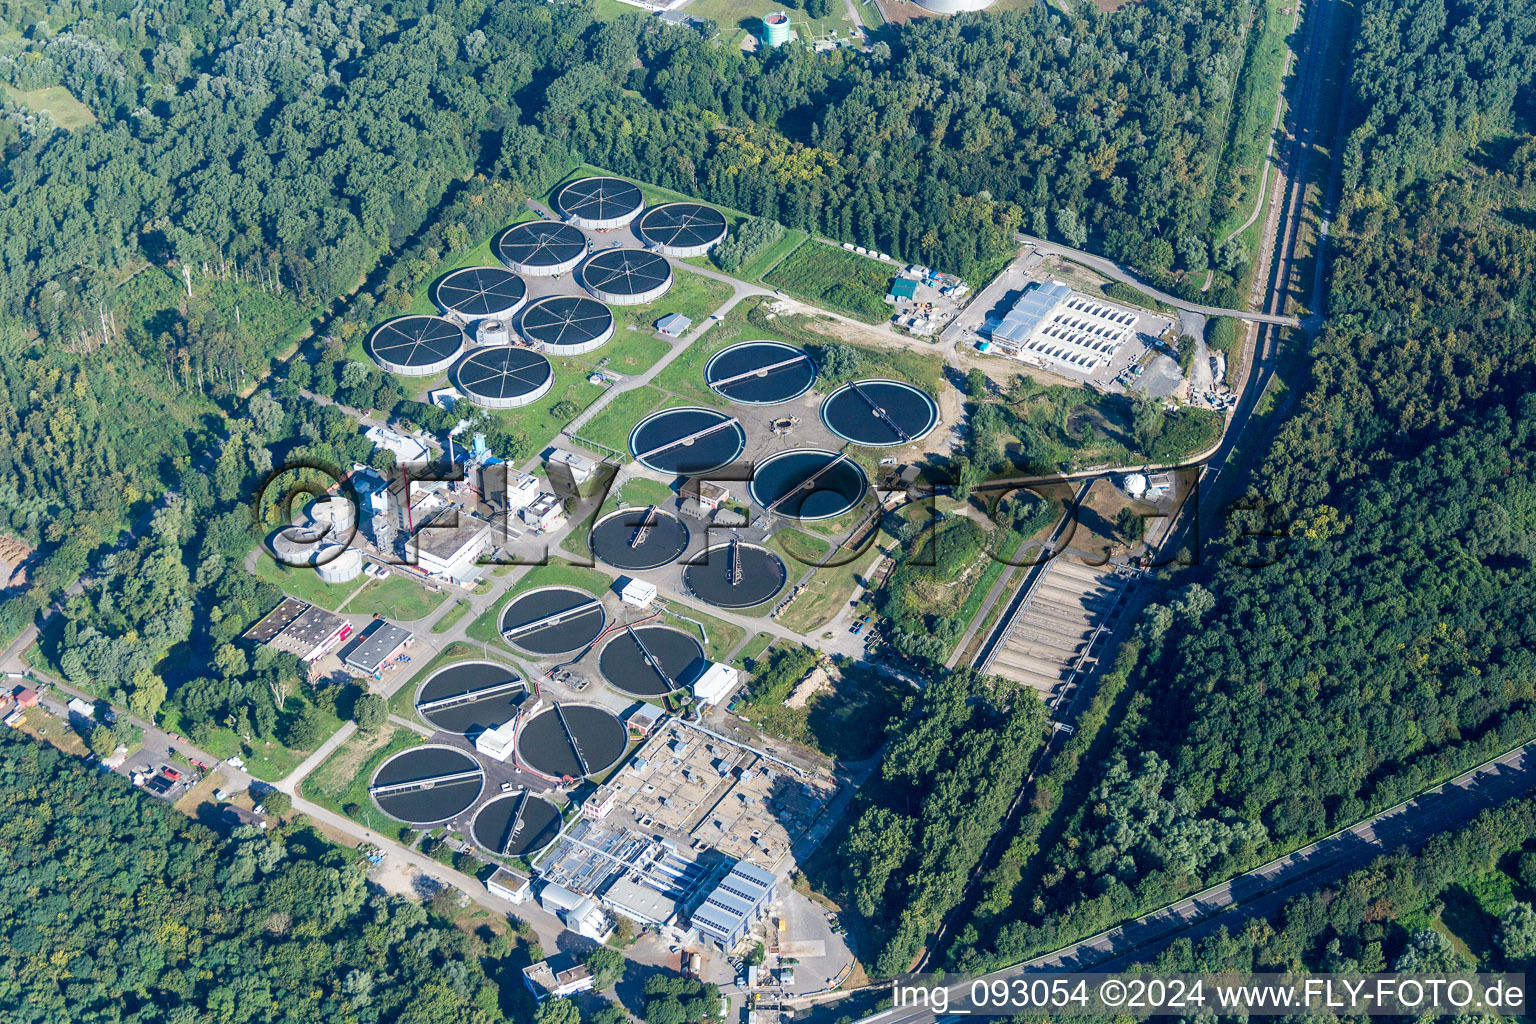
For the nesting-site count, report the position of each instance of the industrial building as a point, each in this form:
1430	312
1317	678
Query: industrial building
544	513
581	914
579	468
448	544
739	900
673	325
405	449
564	978
776	28
715	684
640	902
498	743
301	629
377	647
1056	328
512	886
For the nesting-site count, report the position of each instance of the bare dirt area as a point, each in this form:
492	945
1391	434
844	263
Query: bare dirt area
898	12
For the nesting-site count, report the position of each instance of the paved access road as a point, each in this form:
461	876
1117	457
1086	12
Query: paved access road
1262	893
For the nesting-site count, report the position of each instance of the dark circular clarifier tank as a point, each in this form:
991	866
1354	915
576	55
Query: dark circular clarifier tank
687	441
516	825
880	413
808	483
623	660
760	372
471	696
556	741
427	784
639	538
735	575
572	619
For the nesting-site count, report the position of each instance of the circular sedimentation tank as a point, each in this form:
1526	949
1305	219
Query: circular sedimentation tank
627	277
515	825
542	248
471	696
635	539
600	203
427	784
688	441
760	373
571	741
567	325
629	660
808	483
683	229
552	620
416	346
880	413
505	377
735	575
954	6
478	293
339	564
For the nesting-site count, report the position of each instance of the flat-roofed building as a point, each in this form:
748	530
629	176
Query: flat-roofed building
715	683
578	467
276	620
377	646
449	542
512	886
639	902
739	900
498	743
1059	329
545	512
311	634
552	979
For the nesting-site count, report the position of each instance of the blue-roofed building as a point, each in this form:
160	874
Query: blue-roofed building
1054	327
740	899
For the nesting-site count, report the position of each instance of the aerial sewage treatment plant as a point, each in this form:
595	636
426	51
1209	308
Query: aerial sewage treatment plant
504	377
627	277
571	741
471	696
880	413
648	661
687	441
808	483
550	621
599	203
427	784
760	373
542	248
636	539
515	824
567	325
416	346
481	293
682	229
735	575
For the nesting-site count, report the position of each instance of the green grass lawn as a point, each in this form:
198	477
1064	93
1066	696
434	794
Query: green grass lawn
611	427
398	598
487	628
746	16
831	588
753	649
341	781
632	351
453	615
642	491
721	638
693	295
58	102
836	279
304	584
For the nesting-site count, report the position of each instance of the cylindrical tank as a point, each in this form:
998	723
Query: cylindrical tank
776	28
297	545
492	332
335	512
339	565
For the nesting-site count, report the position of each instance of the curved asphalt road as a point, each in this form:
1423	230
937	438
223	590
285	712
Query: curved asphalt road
1262	893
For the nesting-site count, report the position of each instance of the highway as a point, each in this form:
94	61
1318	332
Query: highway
1263	892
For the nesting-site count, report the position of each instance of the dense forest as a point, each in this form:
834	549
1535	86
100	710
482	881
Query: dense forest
956	756
1368	630
118	908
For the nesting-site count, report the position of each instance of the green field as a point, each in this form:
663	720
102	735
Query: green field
545	418
831	588
304	584
611	427
341	781
57	102
736	17
693	295
481	255
1258	90
453	615
721	638
836	279
398	598
641	492
753	649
